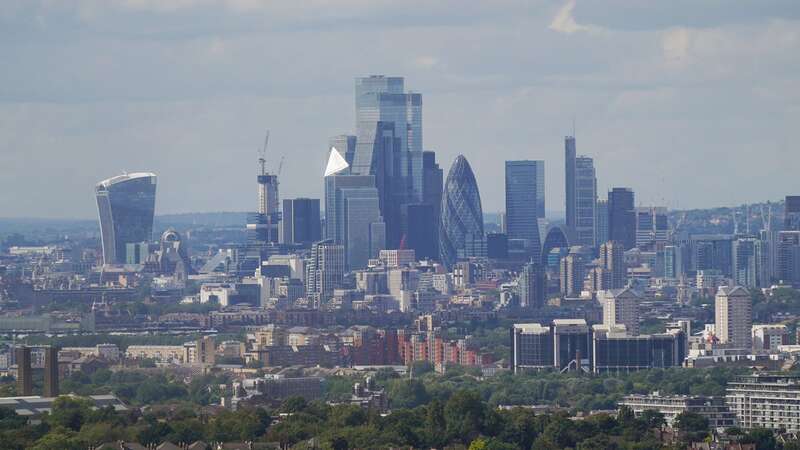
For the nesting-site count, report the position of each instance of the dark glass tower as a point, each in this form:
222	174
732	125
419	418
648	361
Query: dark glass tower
126	205
461	230
622	217
792	213
522	203
301	224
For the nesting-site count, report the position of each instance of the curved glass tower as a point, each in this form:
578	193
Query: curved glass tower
461	230
126	204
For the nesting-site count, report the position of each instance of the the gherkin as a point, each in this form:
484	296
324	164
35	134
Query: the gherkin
461	230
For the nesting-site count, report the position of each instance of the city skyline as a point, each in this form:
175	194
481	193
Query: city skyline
162	97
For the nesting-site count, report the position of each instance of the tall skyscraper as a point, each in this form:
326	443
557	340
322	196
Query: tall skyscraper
522	194
301	222
461	230
24	371
268	203
324	271
569	163
791	221
389	145
531	286
51	371
126	205
750	263
581	195
622	217
612	260
733	312
621	307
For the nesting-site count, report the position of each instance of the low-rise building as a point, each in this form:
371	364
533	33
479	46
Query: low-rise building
712	408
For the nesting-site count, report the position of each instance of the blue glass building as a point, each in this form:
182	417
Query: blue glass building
126	205
461	231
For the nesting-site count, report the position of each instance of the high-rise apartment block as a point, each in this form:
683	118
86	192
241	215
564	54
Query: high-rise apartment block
733	311
324	271
532	286
621	307
24	371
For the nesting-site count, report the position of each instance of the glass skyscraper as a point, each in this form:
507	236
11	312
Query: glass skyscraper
524	187
126	206
622	217
461	230
581	194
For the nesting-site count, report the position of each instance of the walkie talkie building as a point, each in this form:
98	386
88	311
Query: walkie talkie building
461	231
126	205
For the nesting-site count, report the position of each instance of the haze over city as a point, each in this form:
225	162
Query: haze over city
692	104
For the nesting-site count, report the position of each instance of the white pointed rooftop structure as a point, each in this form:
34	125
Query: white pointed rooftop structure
336	163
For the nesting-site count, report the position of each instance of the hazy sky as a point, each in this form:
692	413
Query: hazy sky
691	103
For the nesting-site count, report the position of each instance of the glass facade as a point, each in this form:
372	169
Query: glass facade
522	203
556	238
461	229
126	206
622	217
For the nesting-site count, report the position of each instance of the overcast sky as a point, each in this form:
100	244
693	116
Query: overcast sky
691	103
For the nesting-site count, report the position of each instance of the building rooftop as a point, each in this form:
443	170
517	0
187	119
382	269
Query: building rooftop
125	177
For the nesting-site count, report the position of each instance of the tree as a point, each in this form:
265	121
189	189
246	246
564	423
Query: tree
693	426
405	393
464	415
652	418
763	438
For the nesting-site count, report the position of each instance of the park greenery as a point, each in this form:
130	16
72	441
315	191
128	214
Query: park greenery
461	421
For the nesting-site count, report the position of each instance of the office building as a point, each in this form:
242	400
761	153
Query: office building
750	258
711	252
601	222
532	286
733	311
765	401
419	229
173	255
51	372
205	351
352	213
617	351
531	347
612	261
301	221
713	409
622	217
461	230
791	219
496	246
621	307
324	271
24	371
572	345
389	146
652	231
126	206
673	262
581	194
522	203
788	261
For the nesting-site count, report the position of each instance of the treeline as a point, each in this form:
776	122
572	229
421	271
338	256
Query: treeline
462	421
571	391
